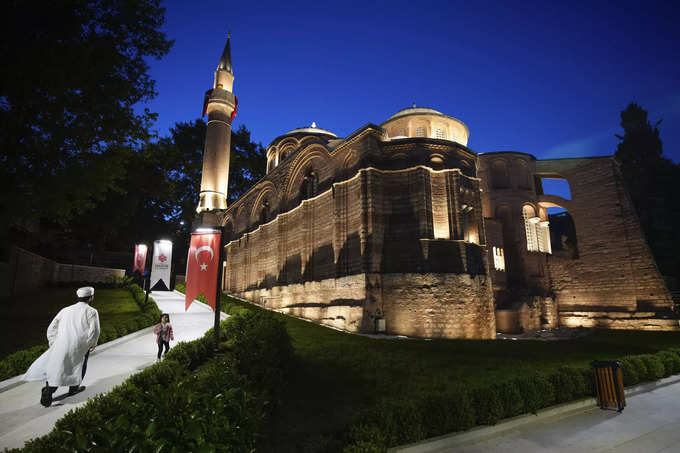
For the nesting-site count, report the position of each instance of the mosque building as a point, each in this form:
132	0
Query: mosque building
399	227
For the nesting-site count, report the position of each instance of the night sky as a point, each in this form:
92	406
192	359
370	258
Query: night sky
546	79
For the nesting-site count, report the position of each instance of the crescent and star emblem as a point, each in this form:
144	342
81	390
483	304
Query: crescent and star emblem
205	248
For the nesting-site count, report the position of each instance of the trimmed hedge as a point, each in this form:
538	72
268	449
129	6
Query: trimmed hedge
191	401
18	362
391	423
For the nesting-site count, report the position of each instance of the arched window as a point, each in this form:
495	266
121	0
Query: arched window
228	232
530	221
310	185
498	259
499	175
537	231
264	212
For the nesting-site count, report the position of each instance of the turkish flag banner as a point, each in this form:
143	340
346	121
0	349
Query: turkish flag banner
140	258
202	267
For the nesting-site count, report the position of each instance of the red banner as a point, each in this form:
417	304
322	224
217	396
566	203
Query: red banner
140	258
202	267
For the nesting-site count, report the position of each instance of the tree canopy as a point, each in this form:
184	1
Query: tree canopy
72	72
158	195
651	180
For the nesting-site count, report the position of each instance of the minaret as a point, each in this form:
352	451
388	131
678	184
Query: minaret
220	104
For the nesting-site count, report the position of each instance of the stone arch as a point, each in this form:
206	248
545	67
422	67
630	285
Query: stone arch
315	157
268	193
499	174
562	227
524	176
240	220
287	147
229	230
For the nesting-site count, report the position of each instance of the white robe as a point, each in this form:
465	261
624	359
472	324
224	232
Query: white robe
71	333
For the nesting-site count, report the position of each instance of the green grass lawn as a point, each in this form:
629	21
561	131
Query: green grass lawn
337	374
24	318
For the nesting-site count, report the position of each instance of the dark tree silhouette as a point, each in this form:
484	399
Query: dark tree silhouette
652	182
72	71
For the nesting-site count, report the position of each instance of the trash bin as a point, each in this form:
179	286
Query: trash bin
609	385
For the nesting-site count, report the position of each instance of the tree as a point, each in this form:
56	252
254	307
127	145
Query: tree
72	72
158	195
651	180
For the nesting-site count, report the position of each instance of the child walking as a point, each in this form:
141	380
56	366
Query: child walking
164	334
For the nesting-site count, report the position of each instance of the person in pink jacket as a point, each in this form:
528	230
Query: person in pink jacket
163	332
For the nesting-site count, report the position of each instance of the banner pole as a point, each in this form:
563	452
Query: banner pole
218	306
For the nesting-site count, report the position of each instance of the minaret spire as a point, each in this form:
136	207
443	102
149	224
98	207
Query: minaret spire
225	60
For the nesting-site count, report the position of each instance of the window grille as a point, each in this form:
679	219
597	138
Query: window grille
440	134
420	131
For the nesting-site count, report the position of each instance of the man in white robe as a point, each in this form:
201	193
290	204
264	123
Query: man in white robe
72	334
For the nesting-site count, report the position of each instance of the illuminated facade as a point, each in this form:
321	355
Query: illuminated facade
400	226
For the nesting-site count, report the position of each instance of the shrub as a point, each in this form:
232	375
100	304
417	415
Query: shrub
655	368
167	408
18	362
488	405
511	398
261	346
569	384
671	362
630	372
640	367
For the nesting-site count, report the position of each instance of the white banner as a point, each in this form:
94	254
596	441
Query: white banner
161	264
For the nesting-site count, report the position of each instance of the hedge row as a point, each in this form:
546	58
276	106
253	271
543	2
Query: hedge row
187	402
18	362
391	423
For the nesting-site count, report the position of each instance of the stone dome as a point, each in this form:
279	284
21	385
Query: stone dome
414	111
424	122
311	130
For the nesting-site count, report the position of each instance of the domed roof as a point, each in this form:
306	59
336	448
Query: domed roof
310	130
415	110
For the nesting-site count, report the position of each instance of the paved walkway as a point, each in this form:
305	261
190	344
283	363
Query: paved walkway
650	423
21	415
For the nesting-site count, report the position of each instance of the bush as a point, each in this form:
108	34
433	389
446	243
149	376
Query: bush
640	367
18	362
671	362
261	346
166	407
630	372
655	368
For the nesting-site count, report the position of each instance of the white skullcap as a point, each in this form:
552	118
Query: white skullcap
85	291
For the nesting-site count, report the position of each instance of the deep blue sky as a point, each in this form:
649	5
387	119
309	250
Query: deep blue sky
548	78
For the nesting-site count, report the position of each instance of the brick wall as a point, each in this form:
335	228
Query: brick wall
337	258
615	270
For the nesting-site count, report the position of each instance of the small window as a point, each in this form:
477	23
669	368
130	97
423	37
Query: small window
420	131
498	259
440	134
310	185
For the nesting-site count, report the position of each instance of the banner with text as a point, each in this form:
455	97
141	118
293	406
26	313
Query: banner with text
202	267
161	264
